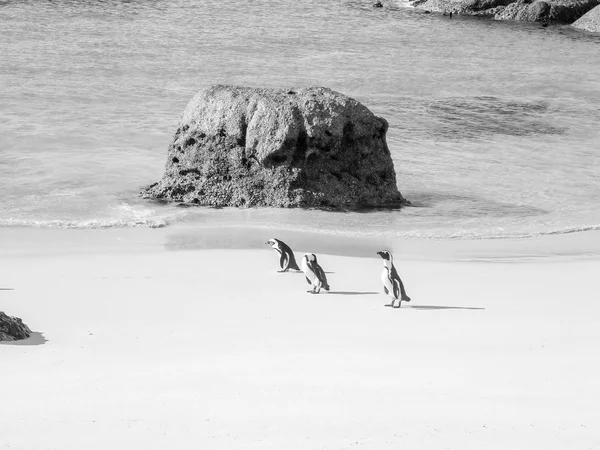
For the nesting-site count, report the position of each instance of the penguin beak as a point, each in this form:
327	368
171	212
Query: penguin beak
379	253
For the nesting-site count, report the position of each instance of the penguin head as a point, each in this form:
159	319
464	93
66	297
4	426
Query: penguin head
273	243
386	255
310	257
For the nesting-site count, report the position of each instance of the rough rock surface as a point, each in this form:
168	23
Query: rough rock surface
590	21
467	7
12	328
537	11
309	147
549	11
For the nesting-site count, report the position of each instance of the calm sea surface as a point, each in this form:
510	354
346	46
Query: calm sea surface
494	127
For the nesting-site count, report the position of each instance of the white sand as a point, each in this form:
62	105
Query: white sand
212	349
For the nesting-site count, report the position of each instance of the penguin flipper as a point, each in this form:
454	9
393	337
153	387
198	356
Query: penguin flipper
283	261
308	281
291	260
394	274
321	276
396	288
386	291
398	282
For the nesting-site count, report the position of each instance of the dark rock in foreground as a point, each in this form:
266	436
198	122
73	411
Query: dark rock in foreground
546	11
590	21
309	147
12	328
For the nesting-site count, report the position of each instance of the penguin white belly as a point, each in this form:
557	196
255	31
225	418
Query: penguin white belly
387	283
310	275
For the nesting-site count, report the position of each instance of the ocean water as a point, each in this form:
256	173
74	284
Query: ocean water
494	126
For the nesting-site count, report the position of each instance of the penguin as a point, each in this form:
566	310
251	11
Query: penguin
286	255
378	5
315	275
392	284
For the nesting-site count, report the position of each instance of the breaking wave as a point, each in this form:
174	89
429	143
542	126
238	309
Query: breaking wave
158	222
304	221
125	216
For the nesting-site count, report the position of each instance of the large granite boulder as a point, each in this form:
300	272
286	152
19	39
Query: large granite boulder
526	10
590	21
466	7
308	147
12	328
547	11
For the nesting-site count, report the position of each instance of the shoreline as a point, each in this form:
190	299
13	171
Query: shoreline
27	242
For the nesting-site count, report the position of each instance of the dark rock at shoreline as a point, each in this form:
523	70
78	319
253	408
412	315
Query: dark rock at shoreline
525	10
545	11
12	328
467	7
551	11
590	21
305	147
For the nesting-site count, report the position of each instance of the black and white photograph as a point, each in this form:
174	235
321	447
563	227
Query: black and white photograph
299	224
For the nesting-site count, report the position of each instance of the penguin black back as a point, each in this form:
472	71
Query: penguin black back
286	255
291	263
398	285
315	275
319	272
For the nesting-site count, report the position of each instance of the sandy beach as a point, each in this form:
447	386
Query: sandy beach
149	149
156	339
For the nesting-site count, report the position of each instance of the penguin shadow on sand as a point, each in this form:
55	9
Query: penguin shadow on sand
352	292
434	307
287	260
314	274
438	307
316	277
395	290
